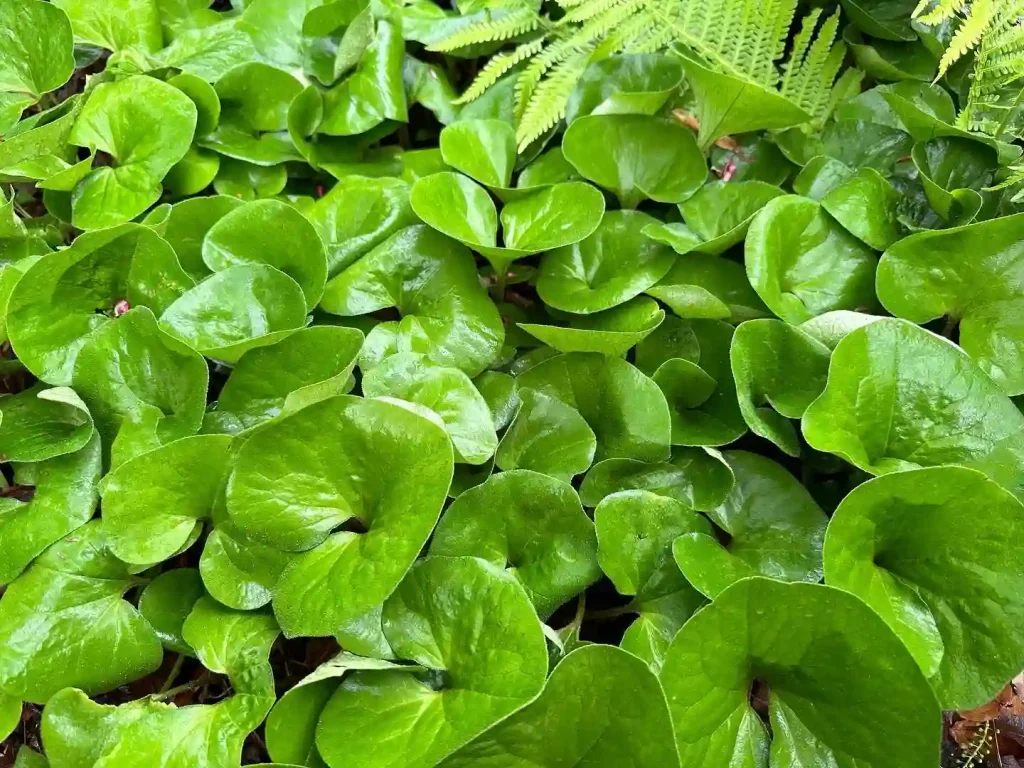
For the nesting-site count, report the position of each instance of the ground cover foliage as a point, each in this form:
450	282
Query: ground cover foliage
607	383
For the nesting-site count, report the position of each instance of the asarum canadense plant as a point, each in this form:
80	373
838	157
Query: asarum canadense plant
649	405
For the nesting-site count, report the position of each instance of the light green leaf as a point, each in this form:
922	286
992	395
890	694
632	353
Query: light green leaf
238	309
866	205
446	391
146	125
953	170
484	150
117	25
152	503
637	157
607	268
64	497
209	52
310	365
698	477
245	181
779	370
833	643
775	529
488	672
612	332
702	286
802	263
40	423
547	436
167	601
673	338
432	281
926	276
185	226
899	397
532	525
621	720
64	623
720	212
357	215
391	486
10	718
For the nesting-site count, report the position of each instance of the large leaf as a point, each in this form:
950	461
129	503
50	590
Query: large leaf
432	281
774	529
474	628
64	622
184	226
448	392
899	397
622	722
117	25
926	276
146	125
608	268
637	157
40	423
391	485
531	524
802	263
833	643
152	503
274	233
931	550
64	496
310	365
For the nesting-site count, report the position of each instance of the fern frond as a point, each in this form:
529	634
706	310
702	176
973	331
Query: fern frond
547	105
994	97
588	11
813	65
980	15
1016	177
496	68
940	12
567	4
516	22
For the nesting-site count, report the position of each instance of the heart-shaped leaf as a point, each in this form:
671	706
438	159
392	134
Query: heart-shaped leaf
40	423
404	467
612	332
636	84
531	524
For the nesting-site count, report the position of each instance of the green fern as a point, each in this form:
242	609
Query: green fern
742	38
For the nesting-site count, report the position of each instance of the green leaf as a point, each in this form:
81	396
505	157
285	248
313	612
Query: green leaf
887	61
953	170
404	466
146	125
637	84
484	675
484	150
152	503
612	332
702	398
310	365
274	233
78	732
899	397
635	531
774	526
835	643
68	296
10	717
702	286
446	391
926	276
547	436
727	105
698	477
720	212
40	423
209	52
64	623
623	720
245	181
802	263
166	603
609	267
931	551
433	283
551	217
38	56
885	19
185	226
357	215
866	205
675	337
235	310
145	388
117	25
64	497
779	370
636	156
531	524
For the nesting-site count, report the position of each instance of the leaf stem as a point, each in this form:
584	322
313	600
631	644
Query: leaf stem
610	613
175	671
